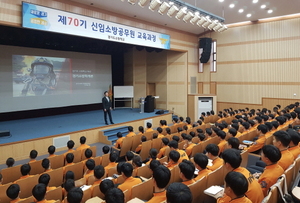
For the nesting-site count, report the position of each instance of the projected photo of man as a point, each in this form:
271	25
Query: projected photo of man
42	78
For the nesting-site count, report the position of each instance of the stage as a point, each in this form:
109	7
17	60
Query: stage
34	128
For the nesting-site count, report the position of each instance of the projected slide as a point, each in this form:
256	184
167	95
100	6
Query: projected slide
43	75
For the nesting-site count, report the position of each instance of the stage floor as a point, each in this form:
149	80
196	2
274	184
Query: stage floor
32	128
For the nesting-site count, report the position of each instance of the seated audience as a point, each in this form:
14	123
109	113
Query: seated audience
162	150
187	170
33	154
281	140
45	179
201	162
82	143
114	195
130	132
10	162
212	152
51	150
75	195
46	165
119	141
179	193
39	192
13	192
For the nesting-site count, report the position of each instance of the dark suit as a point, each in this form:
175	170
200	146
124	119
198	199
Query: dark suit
106	108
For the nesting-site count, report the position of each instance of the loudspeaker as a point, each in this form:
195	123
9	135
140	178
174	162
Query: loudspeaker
205	44
149	104
4	133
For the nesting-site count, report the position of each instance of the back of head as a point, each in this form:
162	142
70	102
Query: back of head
88	153
149	125
246	125
165	141
153	153
159	129
168	130
187	168
141	129
201	136
113	157
90	164
161	175
221	134
174	155
153	164
295	136
45	163
176	138
114	195
44	178
105	149
263	128
173	144
119	167
39	191
69	184
13	191
75	195
201	160
232	131
275	124
213	149
82	140
232	157
130	128
129	155
10	162
208	131
272	153
69	157
178	193
233	142
119	134
51	149
70	144
137	161
33	154
283	137
127	169
237	182
154	136
105	185
99	171
235	126
69	175
25	169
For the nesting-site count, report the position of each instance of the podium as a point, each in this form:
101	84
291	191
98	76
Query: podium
149	104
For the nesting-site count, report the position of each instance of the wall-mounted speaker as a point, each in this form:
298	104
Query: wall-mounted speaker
205	44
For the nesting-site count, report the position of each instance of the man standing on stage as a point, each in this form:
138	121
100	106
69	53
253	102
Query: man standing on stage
106	102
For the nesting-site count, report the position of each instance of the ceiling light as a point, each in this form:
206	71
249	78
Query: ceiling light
254	1
219	25
154	5
181	13
201	21
195	18
132	1
163	8
188	16
231	5
249	15
241	10
143	3
172	11
263	6
213	24
208	22
223	28
221	0
270	11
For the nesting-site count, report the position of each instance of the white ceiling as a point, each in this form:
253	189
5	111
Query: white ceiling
231	15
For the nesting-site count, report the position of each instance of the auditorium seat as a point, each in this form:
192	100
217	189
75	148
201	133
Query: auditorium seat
143	190
11	174
55	194
57	161
197	189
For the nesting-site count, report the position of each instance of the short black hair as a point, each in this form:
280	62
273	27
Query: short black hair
295	137
105	149
137	161
105	185
221	134
88	153
283	137
113	157
201	160
119	167
159	129
173	144
165	140
246	125
175	138
44	178
154	136
149	125
33	154
70	157
232	131
10	162
174	155
70	144
130	128
201	136
90	164
39	191
233	157
69	184
127	169
187	168
234	142
143	138
129	155
272	153
25	169
99	171
153	153
263	128
275	124
269	125
82	140
153	164
213	149
119	134
69	175
75	195
168	130
179	193
161	175
208	131
237	182
235	126
51	149
13	191
114	195
141	129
